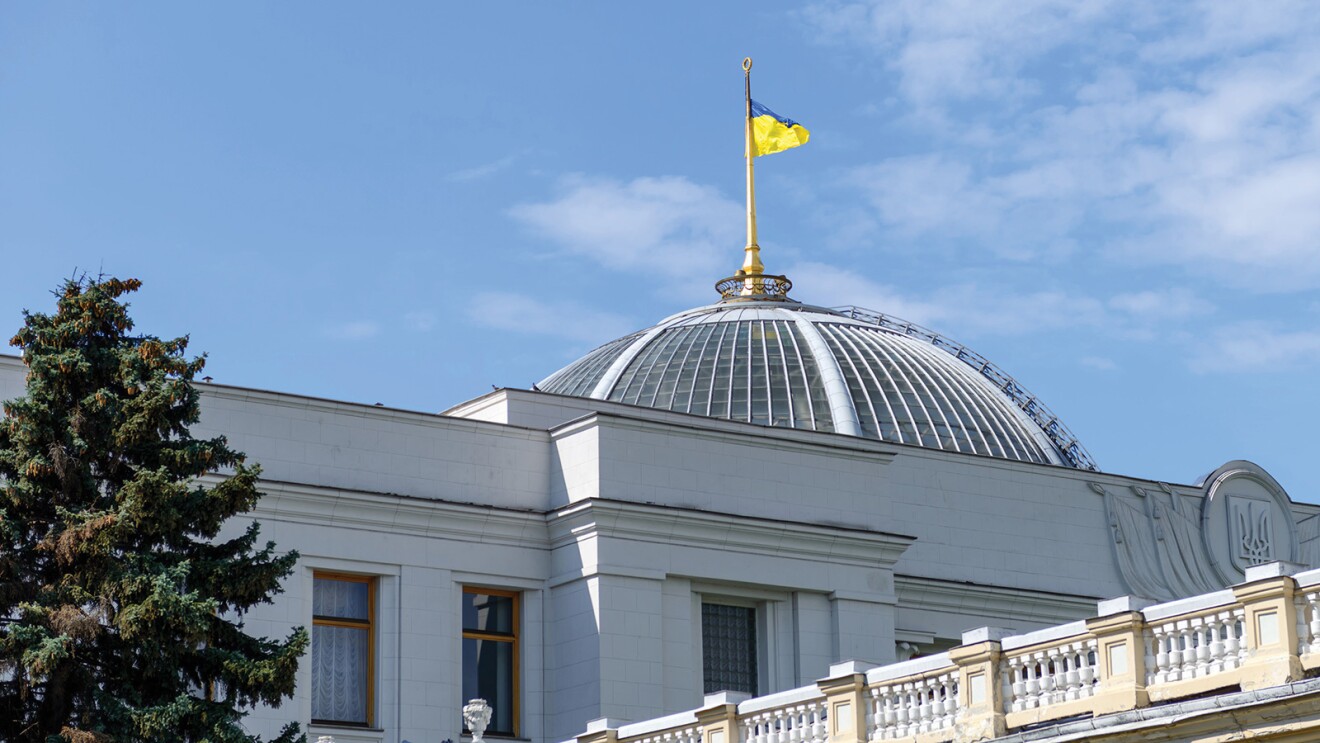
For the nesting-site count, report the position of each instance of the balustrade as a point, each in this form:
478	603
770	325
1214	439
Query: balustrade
1308	620
908	708
1061	673
1231	638
1181	649
681	735
803	722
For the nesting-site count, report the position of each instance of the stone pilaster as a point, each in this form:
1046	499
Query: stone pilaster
718	717
600	730
980	693
845	700
1271	626
1121	647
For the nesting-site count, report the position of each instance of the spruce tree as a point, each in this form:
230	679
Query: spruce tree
120	605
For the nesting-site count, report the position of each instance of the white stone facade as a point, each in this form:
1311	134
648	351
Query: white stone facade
613	523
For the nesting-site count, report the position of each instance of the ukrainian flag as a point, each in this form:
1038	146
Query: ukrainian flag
773	133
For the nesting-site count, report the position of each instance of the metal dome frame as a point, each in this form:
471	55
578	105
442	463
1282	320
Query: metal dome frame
1062	438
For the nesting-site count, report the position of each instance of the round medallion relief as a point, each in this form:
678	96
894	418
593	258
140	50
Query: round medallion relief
1246	520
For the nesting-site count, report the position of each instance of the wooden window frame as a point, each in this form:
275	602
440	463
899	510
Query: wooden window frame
515	640
369	625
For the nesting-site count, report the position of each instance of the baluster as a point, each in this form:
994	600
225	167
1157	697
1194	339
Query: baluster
1072	680
1161	648
912	705
1177	647
946	705
1205	637
876	717
1017	684
1087	672
1313	601
927	707
941	701
914	712
900	701
1235	644
1217	633
891	711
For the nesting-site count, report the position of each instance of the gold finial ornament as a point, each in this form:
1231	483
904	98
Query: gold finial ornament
751	282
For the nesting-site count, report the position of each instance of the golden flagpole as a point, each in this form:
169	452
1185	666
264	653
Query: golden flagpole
752	266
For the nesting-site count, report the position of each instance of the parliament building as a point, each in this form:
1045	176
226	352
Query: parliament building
766	522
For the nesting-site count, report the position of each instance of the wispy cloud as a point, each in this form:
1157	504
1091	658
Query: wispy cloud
1180	134
669	226
1171	304
485	170
1252	347
982	309
1098	363
420	320
355	330
561	319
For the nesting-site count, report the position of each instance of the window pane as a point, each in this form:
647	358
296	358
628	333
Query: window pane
341	599
728	647
488	674
339	673
485	613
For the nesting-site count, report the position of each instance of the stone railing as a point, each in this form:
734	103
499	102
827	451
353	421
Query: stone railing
1262	633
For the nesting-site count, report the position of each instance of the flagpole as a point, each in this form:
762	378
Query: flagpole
752	257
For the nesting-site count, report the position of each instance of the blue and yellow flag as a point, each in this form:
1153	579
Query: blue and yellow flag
773	133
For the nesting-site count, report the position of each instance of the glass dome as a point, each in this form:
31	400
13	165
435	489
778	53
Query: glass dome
848	370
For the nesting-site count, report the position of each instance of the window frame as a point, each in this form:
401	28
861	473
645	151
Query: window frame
369	625
513	639
761	627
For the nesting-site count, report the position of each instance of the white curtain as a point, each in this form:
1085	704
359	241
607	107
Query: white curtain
340	598
339	674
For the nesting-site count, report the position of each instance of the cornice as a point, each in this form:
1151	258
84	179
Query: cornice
932	594
734	432
681	527
363	410
398	514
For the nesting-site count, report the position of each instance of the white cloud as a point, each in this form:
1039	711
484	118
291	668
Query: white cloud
1172	304
822	284
560	319
355	330
1183	134
668	226
958	48
1250	347
954	309
980	309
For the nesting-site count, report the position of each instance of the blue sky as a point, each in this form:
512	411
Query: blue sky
1118	203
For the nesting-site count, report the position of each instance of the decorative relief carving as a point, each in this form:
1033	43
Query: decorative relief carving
1170	544
1246	520
1251	520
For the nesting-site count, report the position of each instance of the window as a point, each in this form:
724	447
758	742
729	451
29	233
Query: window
490	655
728	648
343	610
